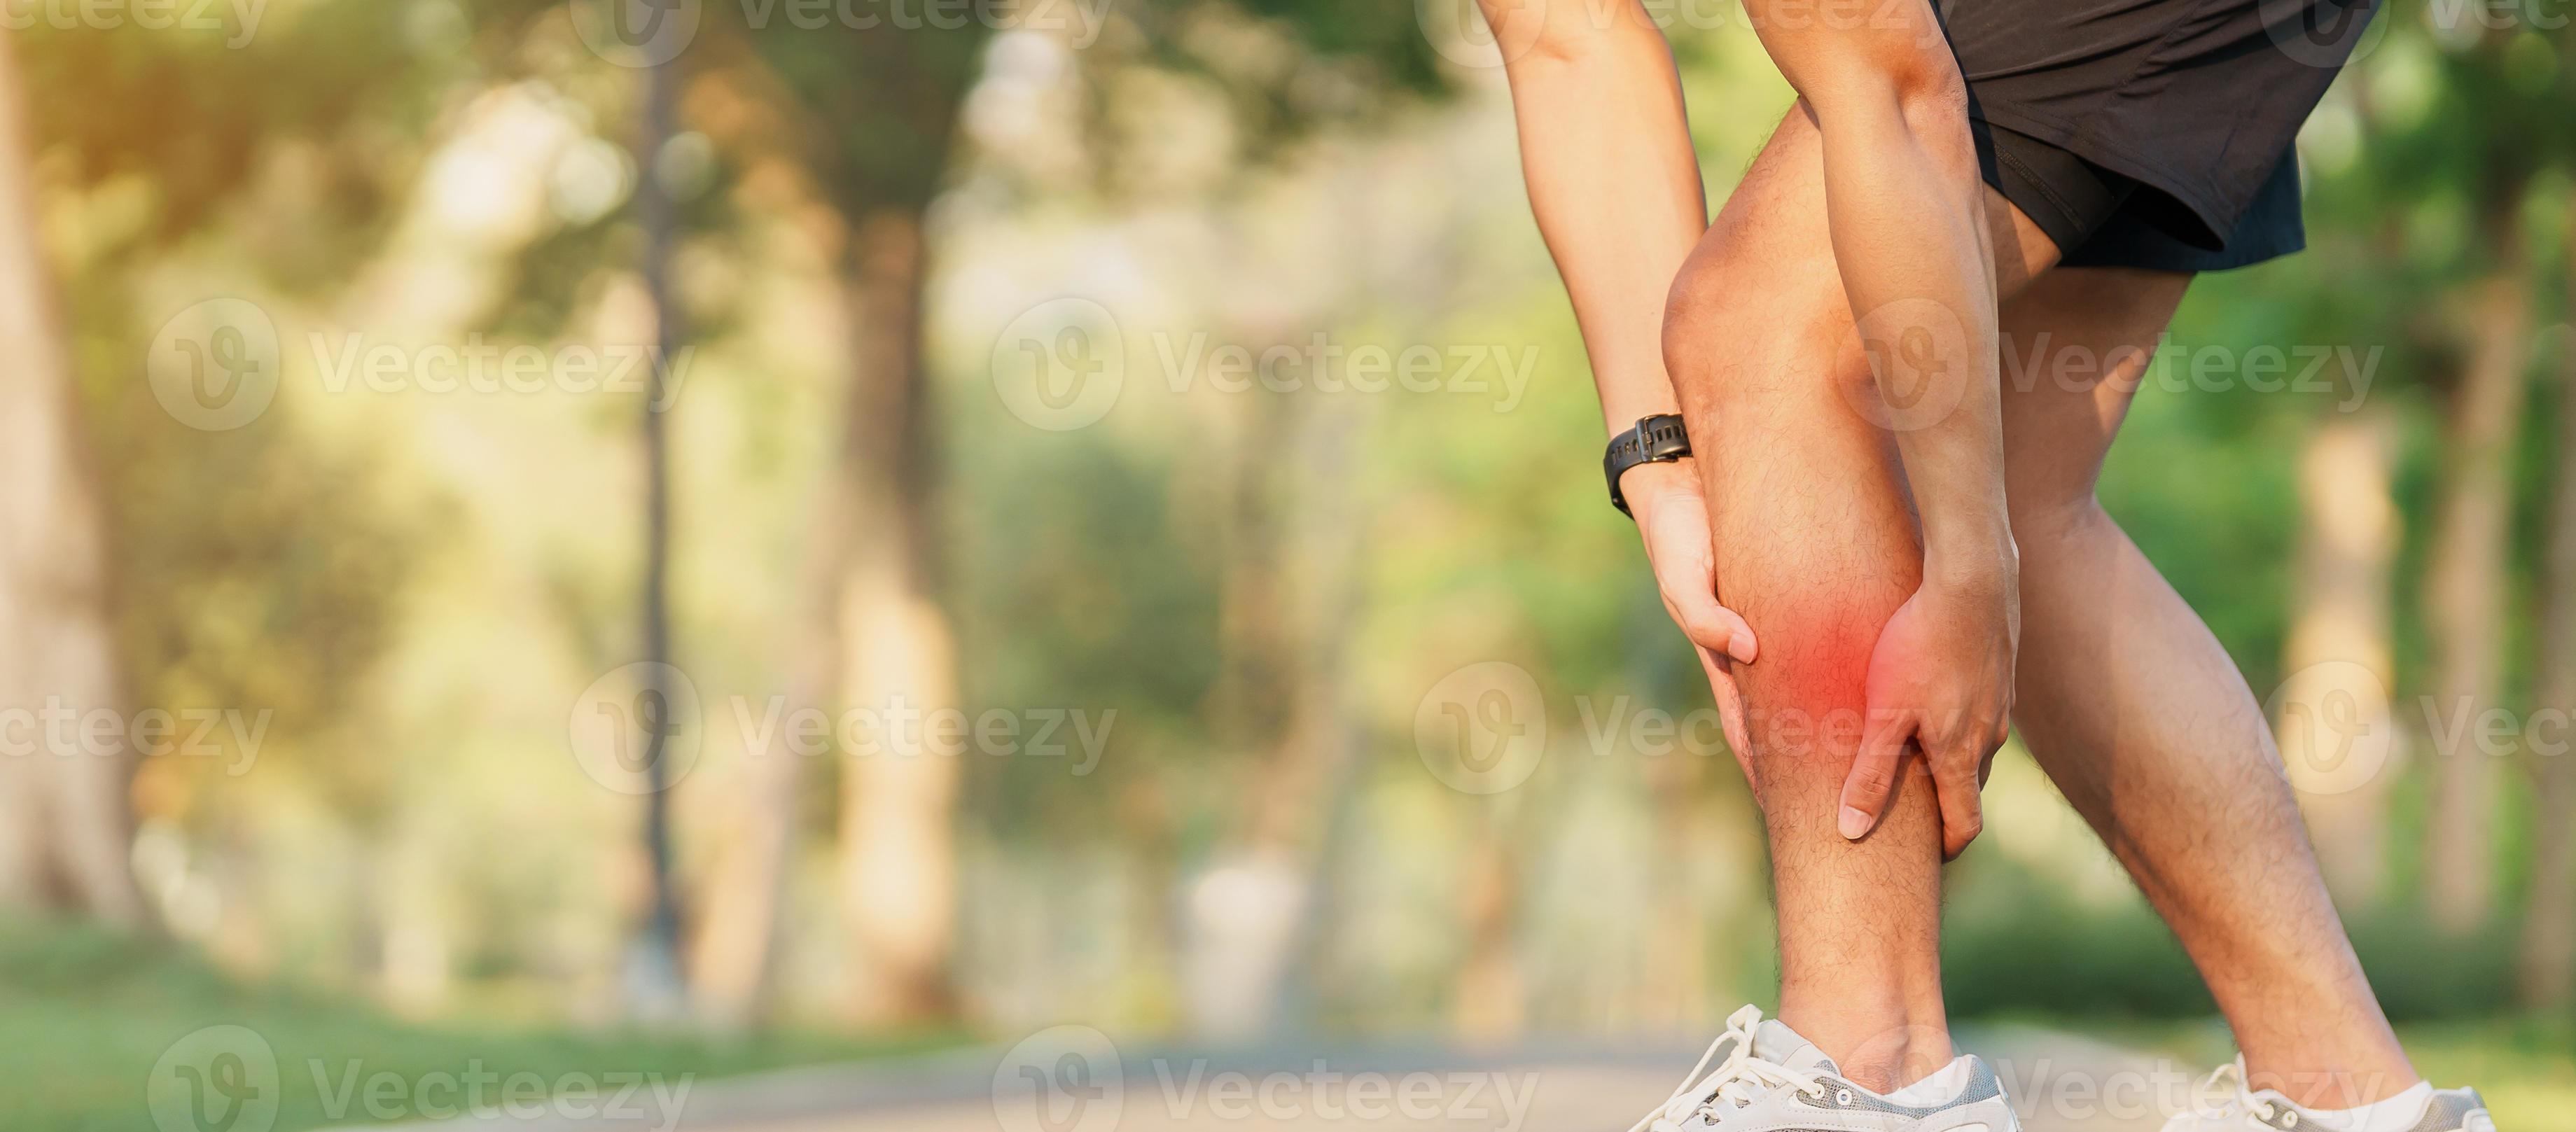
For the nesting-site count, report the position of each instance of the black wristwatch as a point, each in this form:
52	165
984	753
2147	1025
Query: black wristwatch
1658	439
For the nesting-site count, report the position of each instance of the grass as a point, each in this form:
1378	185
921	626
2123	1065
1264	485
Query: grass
85	1018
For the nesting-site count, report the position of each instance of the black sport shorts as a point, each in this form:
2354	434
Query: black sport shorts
2151	133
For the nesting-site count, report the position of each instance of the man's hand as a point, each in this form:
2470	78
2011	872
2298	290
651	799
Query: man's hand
1672	516
1940	682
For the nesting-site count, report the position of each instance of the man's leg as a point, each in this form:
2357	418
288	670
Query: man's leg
1817	546
2131	706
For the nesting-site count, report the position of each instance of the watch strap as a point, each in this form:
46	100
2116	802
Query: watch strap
1653	440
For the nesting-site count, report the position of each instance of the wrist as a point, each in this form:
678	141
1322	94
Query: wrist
1647	487
1973	562
1652	440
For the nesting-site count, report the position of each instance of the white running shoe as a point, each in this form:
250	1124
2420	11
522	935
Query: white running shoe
2238	1110
1772	1079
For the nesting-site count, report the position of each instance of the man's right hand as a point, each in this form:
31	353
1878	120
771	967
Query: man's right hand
1672	516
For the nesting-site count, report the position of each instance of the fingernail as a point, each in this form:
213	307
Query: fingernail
1855	823
1740	646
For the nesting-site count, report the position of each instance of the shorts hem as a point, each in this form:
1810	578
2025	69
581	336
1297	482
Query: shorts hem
2198	199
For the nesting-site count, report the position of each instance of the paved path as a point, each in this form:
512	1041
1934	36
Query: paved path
1071	1080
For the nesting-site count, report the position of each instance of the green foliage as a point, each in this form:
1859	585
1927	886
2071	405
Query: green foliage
85	1013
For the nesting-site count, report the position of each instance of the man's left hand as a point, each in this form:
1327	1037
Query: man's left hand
1940	682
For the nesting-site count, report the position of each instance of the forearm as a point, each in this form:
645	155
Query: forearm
1613	182
1906	209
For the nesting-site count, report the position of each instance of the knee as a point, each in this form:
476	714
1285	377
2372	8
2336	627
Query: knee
1749	313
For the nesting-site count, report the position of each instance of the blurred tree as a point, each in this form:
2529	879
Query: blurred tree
2339	658
258	569
878	116
66	820
2461	126
2468	586
657	971
878	124
2548	947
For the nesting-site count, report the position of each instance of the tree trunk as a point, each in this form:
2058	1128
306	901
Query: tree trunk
2465	602
2335	720
736	955
656	985
1249	904
898	815
2548	950
66	820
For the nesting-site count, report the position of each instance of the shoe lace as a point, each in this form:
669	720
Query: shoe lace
1736	1083
2233	1102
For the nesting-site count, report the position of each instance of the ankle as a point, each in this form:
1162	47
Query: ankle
1878	1050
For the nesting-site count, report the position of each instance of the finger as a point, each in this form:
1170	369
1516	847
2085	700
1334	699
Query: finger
1730	708
1963	813
1873	774
1707	623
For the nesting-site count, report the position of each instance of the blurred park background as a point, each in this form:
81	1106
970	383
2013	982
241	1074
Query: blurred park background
715	536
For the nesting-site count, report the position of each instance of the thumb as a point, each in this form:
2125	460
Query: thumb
1963	814
1730	709
1873	775
1691	596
